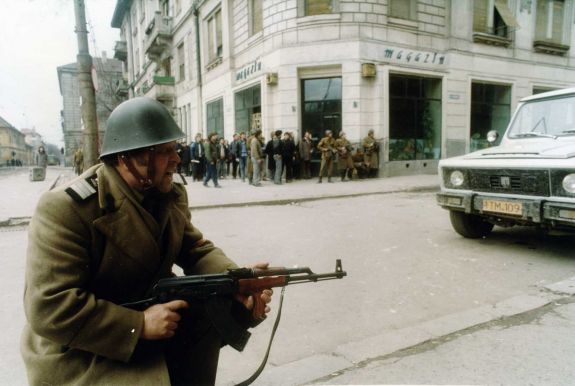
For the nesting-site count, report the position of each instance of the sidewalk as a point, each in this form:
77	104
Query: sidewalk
19	196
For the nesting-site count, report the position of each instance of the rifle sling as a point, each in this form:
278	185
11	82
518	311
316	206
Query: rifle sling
264	361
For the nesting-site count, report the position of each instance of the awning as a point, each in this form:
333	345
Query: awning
505	13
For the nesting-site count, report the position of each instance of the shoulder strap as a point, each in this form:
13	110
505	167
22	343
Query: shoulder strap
83	189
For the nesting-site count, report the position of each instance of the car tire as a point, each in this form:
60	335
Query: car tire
469	225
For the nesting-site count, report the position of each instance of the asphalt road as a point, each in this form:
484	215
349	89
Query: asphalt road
405	266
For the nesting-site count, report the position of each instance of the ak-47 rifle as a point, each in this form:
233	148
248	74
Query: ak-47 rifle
216	291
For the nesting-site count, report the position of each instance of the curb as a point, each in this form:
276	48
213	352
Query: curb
324	367
25	221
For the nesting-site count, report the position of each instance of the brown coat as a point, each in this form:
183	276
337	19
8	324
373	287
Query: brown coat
82	261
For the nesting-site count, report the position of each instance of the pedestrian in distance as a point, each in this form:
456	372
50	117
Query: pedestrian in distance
103	241
277	152
211	151
289	152
257	157
328	151
198	158
79	161
41	158
234	155
243	155
306	152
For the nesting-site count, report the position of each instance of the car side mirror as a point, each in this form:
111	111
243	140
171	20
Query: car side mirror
492	137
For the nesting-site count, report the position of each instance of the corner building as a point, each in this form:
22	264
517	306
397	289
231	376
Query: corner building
430	77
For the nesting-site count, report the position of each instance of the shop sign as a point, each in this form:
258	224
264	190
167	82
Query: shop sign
248	70
405	56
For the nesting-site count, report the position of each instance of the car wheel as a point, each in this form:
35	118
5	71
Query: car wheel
469	225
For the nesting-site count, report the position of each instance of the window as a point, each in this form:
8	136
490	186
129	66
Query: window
403	9
247	108
215	117
490	110
492	22
256	16
178	6
181	63
552	27
414	118
215	46
166	9
318	7
321	102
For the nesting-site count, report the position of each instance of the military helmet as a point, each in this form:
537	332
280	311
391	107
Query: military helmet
139	123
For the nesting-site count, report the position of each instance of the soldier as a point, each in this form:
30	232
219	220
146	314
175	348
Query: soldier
327	148
103	241
79	161
305	152
371	154
345	160
211	151
257	157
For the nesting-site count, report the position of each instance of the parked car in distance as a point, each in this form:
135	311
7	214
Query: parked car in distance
529	179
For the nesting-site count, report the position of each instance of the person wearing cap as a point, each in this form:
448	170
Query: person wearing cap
104	240
345	162
327	148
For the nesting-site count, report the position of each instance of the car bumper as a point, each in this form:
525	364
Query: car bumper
522	209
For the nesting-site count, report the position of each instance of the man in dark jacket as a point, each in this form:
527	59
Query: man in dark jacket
102	241
198	158
212	156
289	156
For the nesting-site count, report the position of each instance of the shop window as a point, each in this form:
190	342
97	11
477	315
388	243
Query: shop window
247	108
403	9
493	22
414	118
256	16
552	27
215	117
321	100
181	63
490	110
215	45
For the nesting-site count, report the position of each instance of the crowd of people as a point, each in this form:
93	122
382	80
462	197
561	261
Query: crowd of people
279	160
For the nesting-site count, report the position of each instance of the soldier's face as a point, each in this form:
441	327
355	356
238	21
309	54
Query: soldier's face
166	160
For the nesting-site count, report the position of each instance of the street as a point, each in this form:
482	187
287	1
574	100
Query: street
405	266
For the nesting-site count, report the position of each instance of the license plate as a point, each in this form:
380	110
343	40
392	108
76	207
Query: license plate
514	208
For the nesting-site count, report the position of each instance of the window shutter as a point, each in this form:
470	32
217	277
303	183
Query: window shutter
400	9
480	16
317	7
506	14
558	13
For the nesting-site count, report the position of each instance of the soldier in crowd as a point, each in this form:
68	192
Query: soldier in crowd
371	154
211	151
197	158
288	155
305	152
79	161
345	160
257	157
103	241
327	148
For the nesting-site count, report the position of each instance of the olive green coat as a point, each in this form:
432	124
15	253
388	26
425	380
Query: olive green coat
370	152
84	258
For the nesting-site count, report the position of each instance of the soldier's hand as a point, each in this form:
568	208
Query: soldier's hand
265	295
161	320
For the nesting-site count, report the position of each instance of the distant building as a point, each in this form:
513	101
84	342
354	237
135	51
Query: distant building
109	76
13	147
430	77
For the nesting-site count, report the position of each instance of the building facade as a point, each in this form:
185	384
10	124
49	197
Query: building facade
14	151
430	77
109	80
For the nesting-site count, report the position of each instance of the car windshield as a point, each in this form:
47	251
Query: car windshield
545	118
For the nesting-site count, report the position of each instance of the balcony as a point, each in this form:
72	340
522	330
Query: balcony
122	88
121	50
159	37
550	48
490	39
161	88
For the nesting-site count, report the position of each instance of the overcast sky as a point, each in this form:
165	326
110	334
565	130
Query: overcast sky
36	36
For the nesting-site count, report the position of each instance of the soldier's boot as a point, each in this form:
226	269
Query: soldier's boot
319	181
329	179
343	175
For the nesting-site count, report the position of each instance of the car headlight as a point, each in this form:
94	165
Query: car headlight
569	183
456	178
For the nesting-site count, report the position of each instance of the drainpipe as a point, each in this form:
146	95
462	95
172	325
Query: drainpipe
196	13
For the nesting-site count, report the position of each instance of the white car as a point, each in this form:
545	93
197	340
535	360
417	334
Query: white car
529	179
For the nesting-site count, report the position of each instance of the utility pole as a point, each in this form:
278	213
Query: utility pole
86	84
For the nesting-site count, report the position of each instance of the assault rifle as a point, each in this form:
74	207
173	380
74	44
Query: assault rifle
216	290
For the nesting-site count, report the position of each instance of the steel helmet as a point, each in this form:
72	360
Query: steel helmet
139	123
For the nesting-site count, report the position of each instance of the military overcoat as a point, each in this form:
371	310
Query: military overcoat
91	249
